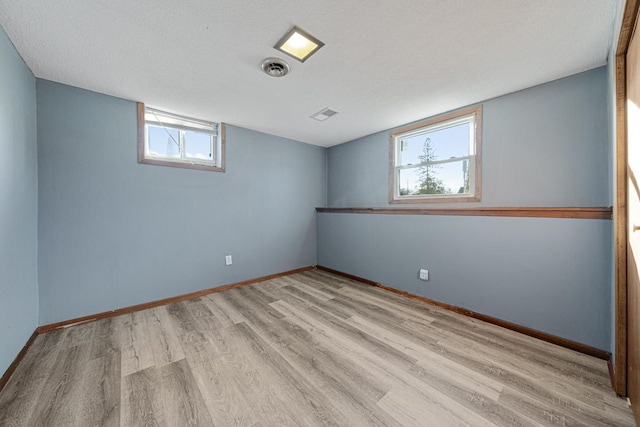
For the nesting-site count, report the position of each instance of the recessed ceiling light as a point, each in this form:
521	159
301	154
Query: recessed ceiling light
324	114
299	44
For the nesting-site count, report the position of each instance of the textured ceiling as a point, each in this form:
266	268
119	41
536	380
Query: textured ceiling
385	63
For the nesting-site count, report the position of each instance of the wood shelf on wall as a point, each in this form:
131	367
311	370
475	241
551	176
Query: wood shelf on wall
524	212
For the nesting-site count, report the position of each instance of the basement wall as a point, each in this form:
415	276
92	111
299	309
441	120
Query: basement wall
547	146
115	233
18	204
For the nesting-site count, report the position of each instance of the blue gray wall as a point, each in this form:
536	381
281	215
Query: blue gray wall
544	146
18	204
114	233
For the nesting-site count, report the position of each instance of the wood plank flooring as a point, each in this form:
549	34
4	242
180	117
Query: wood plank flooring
308	349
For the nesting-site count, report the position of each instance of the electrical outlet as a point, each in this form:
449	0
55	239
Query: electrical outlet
424	274
228	260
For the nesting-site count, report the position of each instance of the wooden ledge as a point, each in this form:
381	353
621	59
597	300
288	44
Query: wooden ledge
582	213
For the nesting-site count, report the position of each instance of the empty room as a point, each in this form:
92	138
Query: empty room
295	213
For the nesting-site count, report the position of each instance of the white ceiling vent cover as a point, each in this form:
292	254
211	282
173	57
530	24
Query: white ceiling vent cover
275	67
324	114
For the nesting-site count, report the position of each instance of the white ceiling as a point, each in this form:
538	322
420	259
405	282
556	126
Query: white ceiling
385	63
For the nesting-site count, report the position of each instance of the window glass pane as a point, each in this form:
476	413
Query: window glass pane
197	145
434	145
409	182
444	178
454	176
163	141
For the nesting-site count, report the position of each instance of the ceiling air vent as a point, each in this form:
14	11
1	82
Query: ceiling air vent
323	115
275	67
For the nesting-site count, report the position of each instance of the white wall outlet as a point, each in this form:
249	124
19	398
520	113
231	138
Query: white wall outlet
228	260
424	274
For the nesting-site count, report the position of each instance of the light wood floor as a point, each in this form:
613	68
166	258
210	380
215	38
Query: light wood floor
307	349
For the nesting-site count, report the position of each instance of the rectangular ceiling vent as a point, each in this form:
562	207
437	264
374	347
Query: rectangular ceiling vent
323	115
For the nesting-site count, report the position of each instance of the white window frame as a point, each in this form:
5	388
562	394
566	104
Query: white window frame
154	117
472	115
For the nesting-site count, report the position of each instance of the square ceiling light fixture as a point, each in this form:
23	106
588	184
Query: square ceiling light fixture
299	44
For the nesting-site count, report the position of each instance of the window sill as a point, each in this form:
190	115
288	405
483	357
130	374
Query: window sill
437	199
184	165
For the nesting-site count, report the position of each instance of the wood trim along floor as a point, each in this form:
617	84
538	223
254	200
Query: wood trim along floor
91	318
576	346
489	319
312	348
11	369
524	212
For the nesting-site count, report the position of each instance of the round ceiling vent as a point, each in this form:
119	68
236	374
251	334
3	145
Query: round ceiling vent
275	67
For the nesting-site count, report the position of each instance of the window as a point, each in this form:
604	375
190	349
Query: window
437	160
168	139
